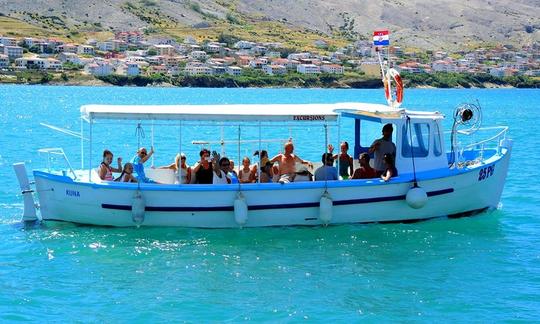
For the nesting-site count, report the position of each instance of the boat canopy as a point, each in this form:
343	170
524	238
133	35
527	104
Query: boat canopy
301	113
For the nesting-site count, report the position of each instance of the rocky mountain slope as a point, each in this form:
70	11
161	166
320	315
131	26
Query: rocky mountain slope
441	24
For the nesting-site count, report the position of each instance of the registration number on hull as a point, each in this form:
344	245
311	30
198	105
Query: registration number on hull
486	172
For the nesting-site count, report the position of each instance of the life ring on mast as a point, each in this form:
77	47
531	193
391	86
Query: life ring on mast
393	75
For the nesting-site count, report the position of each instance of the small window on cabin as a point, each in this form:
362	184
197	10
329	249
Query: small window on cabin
437	147
420	135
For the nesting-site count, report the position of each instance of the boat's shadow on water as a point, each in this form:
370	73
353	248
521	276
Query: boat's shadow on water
484	225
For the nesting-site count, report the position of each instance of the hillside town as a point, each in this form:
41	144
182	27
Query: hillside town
132	53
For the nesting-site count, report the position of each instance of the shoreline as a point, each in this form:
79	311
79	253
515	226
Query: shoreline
412	81
99	83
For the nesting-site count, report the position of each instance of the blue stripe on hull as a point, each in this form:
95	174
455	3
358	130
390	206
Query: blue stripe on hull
280	206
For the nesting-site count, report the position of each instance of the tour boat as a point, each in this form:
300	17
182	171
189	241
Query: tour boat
435	178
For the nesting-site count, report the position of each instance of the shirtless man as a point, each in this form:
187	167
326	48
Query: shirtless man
287	163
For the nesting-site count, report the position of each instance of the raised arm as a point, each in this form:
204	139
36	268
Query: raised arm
144	159
119	169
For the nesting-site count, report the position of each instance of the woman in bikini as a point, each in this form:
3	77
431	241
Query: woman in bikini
105	168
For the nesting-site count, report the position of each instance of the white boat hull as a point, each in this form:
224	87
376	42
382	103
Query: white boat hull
206	206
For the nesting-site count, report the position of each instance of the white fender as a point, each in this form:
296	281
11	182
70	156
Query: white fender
325	208
416	197
240	210
137	208
29	213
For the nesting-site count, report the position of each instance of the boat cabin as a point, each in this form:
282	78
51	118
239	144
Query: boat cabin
417	135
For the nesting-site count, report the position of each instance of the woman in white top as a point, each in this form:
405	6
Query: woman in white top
220	170
181	169
246	173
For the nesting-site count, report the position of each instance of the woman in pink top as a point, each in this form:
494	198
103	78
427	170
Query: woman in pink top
105	169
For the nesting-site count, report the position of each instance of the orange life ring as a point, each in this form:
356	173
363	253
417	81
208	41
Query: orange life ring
393	75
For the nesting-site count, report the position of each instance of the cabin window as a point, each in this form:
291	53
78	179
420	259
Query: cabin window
437	147
420	140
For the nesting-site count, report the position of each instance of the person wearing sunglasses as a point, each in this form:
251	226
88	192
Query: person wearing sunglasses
220	170
138	164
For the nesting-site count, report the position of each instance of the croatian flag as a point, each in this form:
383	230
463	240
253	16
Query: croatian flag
381	38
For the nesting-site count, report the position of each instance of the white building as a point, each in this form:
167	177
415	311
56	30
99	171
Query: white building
308	69
332	68
37	63
4	61
128	69
53	64
69	57
66	48
13	52
198	55
112	45
274	69
85	50
444	66
197	68
258	63
212	48
99	68
244	45
234	70
8	41
164	49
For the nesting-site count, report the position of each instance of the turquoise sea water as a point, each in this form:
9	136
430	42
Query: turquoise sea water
483	268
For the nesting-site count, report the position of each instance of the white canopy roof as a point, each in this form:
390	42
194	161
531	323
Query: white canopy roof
301	113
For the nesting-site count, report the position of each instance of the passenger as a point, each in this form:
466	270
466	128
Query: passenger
267	173
327	171
220	170
181	170
105	169
365	171
287	163
344	159
232	173
383	146
138	164
127	174
390	170
232	170
263	160
204	170
246	174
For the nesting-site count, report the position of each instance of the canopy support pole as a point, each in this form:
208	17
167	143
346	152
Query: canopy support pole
339	144
260	164
152	140
239	153
356	138
180	152
82	144
90	152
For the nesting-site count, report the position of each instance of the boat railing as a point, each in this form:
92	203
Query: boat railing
492	142
57	151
